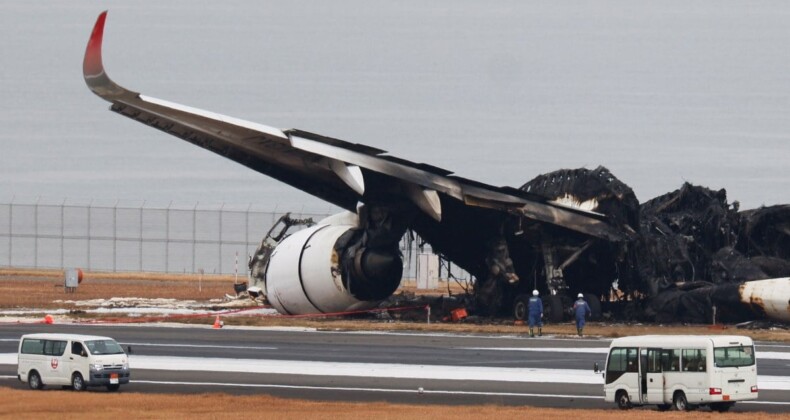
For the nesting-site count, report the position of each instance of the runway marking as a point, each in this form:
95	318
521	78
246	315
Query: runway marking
771	355
201	346
393	390
594	350
383	370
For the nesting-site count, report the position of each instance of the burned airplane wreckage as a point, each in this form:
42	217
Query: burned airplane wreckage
687	260
673	258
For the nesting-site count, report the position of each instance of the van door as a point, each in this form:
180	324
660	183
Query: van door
78	359
654	394
55	369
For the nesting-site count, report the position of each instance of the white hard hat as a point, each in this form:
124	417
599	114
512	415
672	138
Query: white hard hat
535	293
580	296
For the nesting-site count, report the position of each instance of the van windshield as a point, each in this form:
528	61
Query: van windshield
735	356
103	347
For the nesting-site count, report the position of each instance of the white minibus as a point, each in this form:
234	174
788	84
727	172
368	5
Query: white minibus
683	371
70	360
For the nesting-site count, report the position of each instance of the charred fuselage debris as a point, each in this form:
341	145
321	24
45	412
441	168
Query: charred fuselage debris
689	251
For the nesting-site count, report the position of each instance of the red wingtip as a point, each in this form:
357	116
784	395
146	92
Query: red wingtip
92	65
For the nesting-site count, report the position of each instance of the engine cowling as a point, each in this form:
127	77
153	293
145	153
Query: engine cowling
311	271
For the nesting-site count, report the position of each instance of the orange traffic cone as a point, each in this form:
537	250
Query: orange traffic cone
217	323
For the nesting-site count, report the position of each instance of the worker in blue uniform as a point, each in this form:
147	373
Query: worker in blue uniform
535	314
582	310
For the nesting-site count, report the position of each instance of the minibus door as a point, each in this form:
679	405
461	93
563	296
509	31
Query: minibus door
654	381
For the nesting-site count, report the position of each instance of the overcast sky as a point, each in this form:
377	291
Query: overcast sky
660	92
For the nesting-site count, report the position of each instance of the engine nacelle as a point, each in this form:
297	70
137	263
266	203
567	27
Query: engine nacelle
311	272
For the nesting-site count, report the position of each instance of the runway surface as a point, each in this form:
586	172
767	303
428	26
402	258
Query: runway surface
371	366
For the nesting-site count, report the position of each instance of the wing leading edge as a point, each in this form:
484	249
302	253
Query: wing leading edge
331	169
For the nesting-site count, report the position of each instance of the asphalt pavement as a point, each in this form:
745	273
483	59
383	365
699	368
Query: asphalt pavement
430	368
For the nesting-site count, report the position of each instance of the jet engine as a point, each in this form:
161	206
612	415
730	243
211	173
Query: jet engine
328	268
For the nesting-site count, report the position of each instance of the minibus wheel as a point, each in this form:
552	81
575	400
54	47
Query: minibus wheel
680	402
623	402
77	383
34	380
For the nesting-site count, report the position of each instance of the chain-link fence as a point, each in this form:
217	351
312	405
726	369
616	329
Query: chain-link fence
171	239
124	238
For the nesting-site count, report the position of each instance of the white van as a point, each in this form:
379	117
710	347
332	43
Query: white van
78	361
683	371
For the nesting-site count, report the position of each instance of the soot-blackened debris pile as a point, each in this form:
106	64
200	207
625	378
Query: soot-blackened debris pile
692	247
612	196
695	249
688	250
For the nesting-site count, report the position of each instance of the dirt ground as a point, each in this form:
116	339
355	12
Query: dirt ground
24	404
44	290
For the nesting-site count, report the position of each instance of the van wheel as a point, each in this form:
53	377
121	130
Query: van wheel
680	402
77	383
34	380
623	402
113	387
721	407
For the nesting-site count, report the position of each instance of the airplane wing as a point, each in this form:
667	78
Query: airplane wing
334	170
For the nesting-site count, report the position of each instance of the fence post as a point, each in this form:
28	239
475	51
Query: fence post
167	237
62	230
35	230
90	205
114	235
11	231
219	240
247	240
194	234
141	236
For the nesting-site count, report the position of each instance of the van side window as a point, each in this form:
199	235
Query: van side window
77	349
694	360
33	346
54	347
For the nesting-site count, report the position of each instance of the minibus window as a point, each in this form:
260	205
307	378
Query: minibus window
694	360
621	360
736	356
670	360
32	346
654	361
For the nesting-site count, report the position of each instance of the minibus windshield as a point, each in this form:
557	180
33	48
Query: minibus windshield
735	356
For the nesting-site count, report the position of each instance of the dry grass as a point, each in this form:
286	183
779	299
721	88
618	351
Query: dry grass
23	404
44	292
